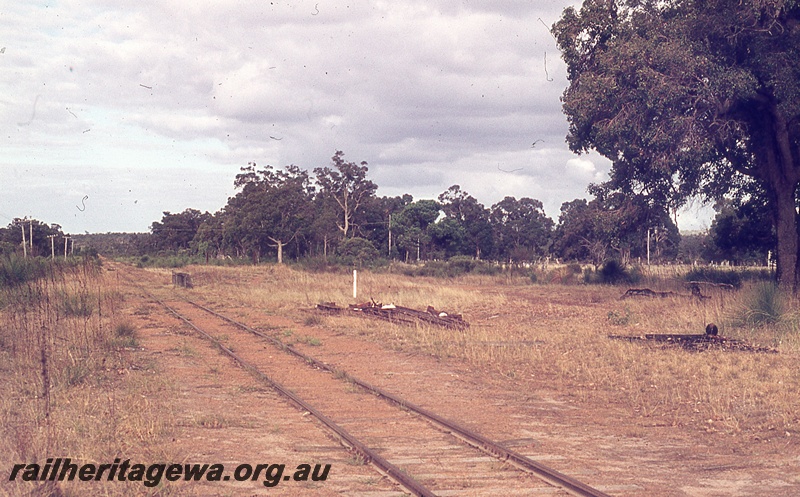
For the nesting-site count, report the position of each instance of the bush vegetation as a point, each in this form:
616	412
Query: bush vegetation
61	351
451	268
613	272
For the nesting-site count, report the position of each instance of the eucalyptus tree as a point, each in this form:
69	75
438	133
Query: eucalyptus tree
523	232
614	226
347	185
690	97
412	224
470	214
176	231
273	208
740	233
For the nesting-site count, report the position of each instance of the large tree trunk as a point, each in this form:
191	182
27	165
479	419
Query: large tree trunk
279	245
786	231
780	167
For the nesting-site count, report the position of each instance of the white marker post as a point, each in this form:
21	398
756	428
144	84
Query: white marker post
355	284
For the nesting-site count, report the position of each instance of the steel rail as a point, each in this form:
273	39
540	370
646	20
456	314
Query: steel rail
549	475
367	454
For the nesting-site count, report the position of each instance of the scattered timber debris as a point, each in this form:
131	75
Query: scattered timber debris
710	340
183	280
515	343
646	292
699	284
397	314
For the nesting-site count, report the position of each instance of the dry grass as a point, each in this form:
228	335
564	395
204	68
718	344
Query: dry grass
556	336
66	389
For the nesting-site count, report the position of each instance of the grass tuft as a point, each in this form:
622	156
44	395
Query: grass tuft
763	305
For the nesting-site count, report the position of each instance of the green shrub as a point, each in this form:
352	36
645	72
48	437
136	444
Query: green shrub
451	268
613	273
15	270
461	264
620	318
358	252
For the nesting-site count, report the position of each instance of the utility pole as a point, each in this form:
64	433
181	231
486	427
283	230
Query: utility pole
52	246
24	246
30	238
390	236
66	239
648	246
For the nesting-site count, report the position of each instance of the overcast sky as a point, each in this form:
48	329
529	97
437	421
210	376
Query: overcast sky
114	111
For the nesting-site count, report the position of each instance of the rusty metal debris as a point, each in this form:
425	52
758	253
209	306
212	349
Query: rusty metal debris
398	314
709	341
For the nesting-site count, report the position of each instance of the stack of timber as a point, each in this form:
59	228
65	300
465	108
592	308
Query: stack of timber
398	314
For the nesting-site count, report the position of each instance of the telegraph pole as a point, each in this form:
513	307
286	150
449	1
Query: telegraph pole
24	246
66	240
52	246
390	236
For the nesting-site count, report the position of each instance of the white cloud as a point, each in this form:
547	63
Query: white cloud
584	169
170	99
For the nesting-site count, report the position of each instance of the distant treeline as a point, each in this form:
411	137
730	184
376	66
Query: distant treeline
333	214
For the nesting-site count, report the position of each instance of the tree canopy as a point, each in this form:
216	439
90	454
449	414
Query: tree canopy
346	184
522	230
36	234
614	227
741	233
690	97
176	231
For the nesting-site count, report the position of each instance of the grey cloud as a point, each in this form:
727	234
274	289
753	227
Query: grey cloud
429	93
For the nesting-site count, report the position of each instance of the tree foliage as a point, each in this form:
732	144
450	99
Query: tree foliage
614	227
472	216
522	231
690	97
412	227
37	238
347	185
272	209
740	234
176	231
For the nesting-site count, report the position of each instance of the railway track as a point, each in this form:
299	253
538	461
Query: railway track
423	452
